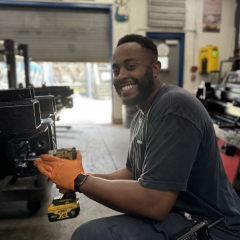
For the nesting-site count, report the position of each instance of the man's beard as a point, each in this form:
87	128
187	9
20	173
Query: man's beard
145	88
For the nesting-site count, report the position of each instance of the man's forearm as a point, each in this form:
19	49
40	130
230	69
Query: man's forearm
128	196
120	174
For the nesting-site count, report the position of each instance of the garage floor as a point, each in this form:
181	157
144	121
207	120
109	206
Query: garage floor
104	149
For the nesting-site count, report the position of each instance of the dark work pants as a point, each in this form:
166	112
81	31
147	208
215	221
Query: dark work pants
127	227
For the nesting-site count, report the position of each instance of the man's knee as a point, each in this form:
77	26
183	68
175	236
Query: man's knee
117	227
97	229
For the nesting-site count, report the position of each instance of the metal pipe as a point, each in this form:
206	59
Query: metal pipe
11	63
24	48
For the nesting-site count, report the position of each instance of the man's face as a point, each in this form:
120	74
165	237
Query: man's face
133	75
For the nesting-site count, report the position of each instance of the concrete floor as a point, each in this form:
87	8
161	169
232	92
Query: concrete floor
104	149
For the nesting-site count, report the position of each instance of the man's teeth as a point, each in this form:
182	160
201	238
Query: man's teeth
127	87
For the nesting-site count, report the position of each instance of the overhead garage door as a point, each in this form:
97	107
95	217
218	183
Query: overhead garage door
66	35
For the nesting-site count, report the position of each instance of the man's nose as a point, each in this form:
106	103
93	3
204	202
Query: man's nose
122	75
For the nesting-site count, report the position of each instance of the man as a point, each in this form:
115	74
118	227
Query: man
173	165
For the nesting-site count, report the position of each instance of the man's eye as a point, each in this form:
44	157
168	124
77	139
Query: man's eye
130	67
115	72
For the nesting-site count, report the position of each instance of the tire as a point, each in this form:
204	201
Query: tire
33	206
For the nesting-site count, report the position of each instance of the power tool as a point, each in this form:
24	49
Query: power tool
65	206
199	231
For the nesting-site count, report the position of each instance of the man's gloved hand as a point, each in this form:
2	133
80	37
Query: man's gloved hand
60	171
62	190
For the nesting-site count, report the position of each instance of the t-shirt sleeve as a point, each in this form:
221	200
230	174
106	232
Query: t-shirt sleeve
128	163
172	146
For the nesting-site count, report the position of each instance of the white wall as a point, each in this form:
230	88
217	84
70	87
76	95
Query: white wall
194	37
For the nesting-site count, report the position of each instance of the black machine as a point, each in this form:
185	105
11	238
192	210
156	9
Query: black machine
61	94
222	102
24	135
13	51
27	129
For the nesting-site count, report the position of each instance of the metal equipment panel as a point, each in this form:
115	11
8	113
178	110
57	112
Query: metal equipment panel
67	35
230	163
166	14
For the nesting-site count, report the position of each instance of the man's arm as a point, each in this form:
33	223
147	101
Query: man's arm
120	174
128	196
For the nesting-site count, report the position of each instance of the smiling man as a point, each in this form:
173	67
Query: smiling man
174	176
144	82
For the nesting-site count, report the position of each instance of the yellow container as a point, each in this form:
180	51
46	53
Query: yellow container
208	60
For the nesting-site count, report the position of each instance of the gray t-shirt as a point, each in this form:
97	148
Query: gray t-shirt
173	147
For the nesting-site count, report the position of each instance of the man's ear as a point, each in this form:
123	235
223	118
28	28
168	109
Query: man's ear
156	67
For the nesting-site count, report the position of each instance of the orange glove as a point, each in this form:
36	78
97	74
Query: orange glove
62	190
60	171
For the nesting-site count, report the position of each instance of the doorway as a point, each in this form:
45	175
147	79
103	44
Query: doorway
171	55
70	44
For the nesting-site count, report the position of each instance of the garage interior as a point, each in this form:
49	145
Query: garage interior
63	50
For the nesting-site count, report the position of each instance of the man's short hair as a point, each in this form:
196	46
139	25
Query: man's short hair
145	42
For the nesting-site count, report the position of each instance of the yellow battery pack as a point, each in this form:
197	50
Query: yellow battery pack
61	209
67	205
66	153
